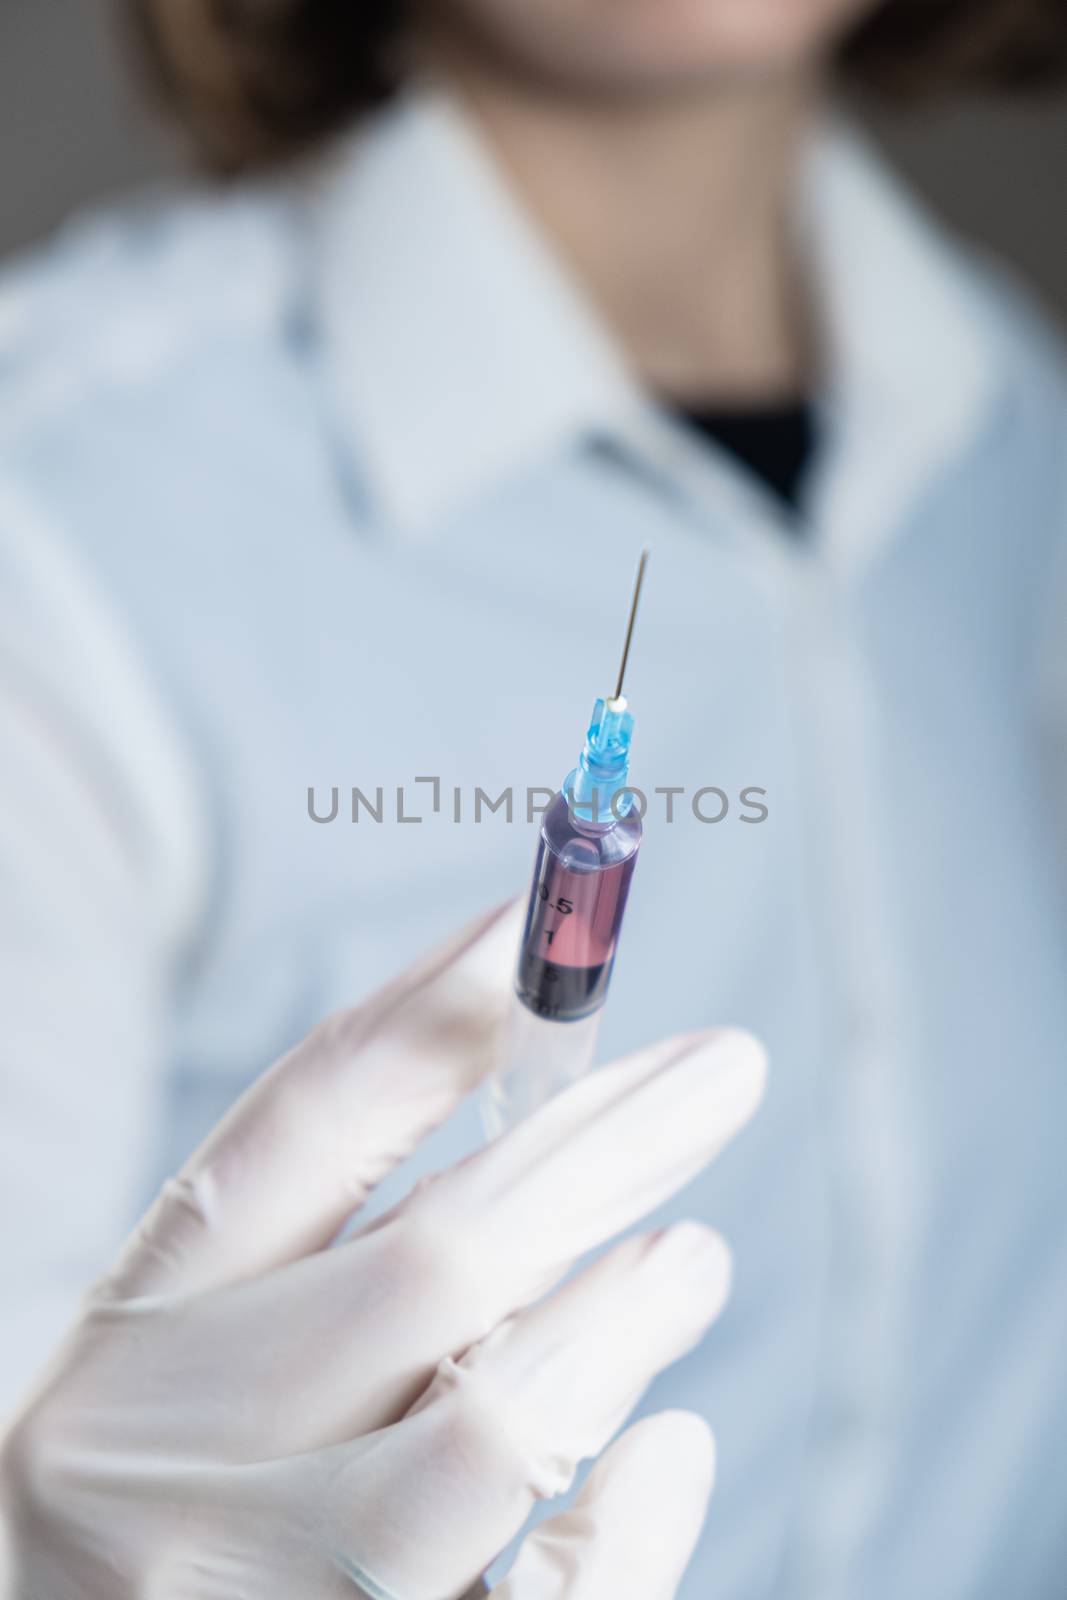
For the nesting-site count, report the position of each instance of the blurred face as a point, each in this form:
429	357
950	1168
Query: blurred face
620	46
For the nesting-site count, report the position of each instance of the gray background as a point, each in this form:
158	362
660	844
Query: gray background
71	130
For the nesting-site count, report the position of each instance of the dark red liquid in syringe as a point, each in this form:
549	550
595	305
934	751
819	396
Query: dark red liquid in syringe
581	881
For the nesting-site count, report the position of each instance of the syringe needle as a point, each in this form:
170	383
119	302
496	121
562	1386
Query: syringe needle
638	581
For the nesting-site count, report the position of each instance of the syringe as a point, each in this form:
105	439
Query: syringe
586	854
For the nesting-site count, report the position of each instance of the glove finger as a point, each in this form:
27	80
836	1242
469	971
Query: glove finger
494	1233
429	1502
633	1528
301	1149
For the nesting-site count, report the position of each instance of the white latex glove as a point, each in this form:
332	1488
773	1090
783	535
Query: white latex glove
242	1413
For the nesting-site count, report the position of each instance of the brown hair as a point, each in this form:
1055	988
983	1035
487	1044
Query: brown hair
256	81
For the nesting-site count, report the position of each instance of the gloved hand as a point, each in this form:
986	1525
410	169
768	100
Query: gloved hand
243	1412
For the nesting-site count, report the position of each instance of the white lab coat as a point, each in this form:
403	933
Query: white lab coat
336	481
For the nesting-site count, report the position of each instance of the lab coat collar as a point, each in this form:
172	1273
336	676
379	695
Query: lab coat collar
909	364
458	353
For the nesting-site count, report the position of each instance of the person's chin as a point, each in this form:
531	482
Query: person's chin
604	47
644	60
622	74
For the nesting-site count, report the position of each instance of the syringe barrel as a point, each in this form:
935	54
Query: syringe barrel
580	883
577	899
